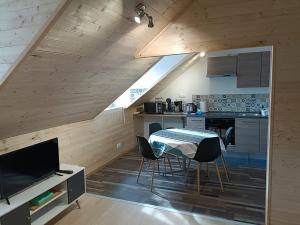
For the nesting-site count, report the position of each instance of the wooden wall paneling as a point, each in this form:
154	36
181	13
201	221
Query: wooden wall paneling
209	25
84	62
89	143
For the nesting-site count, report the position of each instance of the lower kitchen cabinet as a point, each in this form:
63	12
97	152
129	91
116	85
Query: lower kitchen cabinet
263	135
247	135
195	123
251	135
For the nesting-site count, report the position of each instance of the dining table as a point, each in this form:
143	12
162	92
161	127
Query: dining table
181	142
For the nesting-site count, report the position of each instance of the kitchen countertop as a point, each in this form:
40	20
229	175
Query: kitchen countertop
231	115
162	115
210	115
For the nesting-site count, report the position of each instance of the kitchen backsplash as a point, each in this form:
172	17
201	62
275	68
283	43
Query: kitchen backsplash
234	102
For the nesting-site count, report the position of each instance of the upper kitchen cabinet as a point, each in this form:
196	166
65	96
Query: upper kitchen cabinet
265	69
248	70
253	69
221	66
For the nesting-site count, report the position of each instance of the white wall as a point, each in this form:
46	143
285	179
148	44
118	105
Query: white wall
194	80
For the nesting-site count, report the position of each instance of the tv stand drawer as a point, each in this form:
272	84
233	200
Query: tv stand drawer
20	216
76	186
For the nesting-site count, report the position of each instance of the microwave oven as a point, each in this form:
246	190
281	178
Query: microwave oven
154	107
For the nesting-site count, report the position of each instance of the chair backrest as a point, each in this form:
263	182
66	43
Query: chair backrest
153	127
145	148
208	150
228	136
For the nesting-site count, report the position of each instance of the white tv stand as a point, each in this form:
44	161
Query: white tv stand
70	187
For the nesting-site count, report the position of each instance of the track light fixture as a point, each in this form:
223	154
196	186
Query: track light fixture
140	11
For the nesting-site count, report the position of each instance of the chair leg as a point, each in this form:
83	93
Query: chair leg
140	170
170	165
152	178
198	177
187	171
165	167
149	163
207	170
219	177
158	167
178	161
225	167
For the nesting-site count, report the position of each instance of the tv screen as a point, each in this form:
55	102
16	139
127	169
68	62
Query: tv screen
22	168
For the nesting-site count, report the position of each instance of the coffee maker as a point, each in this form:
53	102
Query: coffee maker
178	106
169	105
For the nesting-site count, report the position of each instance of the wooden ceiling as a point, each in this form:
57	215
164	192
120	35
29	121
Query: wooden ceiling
84	62
209	25
20	23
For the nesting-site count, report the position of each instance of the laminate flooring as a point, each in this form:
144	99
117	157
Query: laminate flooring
243	199
103	211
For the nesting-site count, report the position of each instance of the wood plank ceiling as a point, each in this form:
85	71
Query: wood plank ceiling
81	65
216	25
20	22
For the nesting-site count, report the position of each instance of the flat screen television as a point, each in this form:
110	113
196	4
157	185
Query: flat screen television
20	169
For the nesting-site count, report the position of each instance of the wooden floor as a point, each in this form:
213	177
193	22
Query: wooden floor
243	199
103	211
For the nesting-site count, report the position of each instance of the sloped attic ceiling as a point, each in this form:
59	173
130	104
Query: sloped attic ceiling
20	23
81	65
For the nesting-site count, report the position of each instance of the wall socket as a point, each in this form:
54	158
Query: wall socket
119	146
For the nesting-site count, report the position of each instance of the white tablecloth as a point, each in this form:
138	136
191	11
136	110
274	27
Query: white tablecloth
184	140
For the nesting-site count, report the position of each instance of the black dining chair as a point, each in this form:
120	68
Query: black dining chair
208	151
148	154
153	127
227	140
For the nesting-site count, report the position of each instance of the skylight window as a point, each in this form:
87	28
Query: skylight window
159	71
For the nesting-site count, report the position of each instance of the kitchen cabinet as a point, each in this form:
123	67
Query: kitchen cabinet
265	69
221	66
263	135
195	122
249	70
253	69
251	135
247	135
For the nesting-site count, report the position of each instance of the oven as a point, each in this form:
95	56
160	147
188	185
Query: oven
220	125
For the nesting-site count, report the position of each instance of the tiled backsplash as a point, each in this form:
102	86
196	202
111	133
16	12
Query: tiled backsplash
234	102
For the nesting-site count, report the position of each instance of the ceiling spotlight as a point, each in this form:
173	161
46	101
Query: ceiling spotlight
137	19
202	54
140	11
